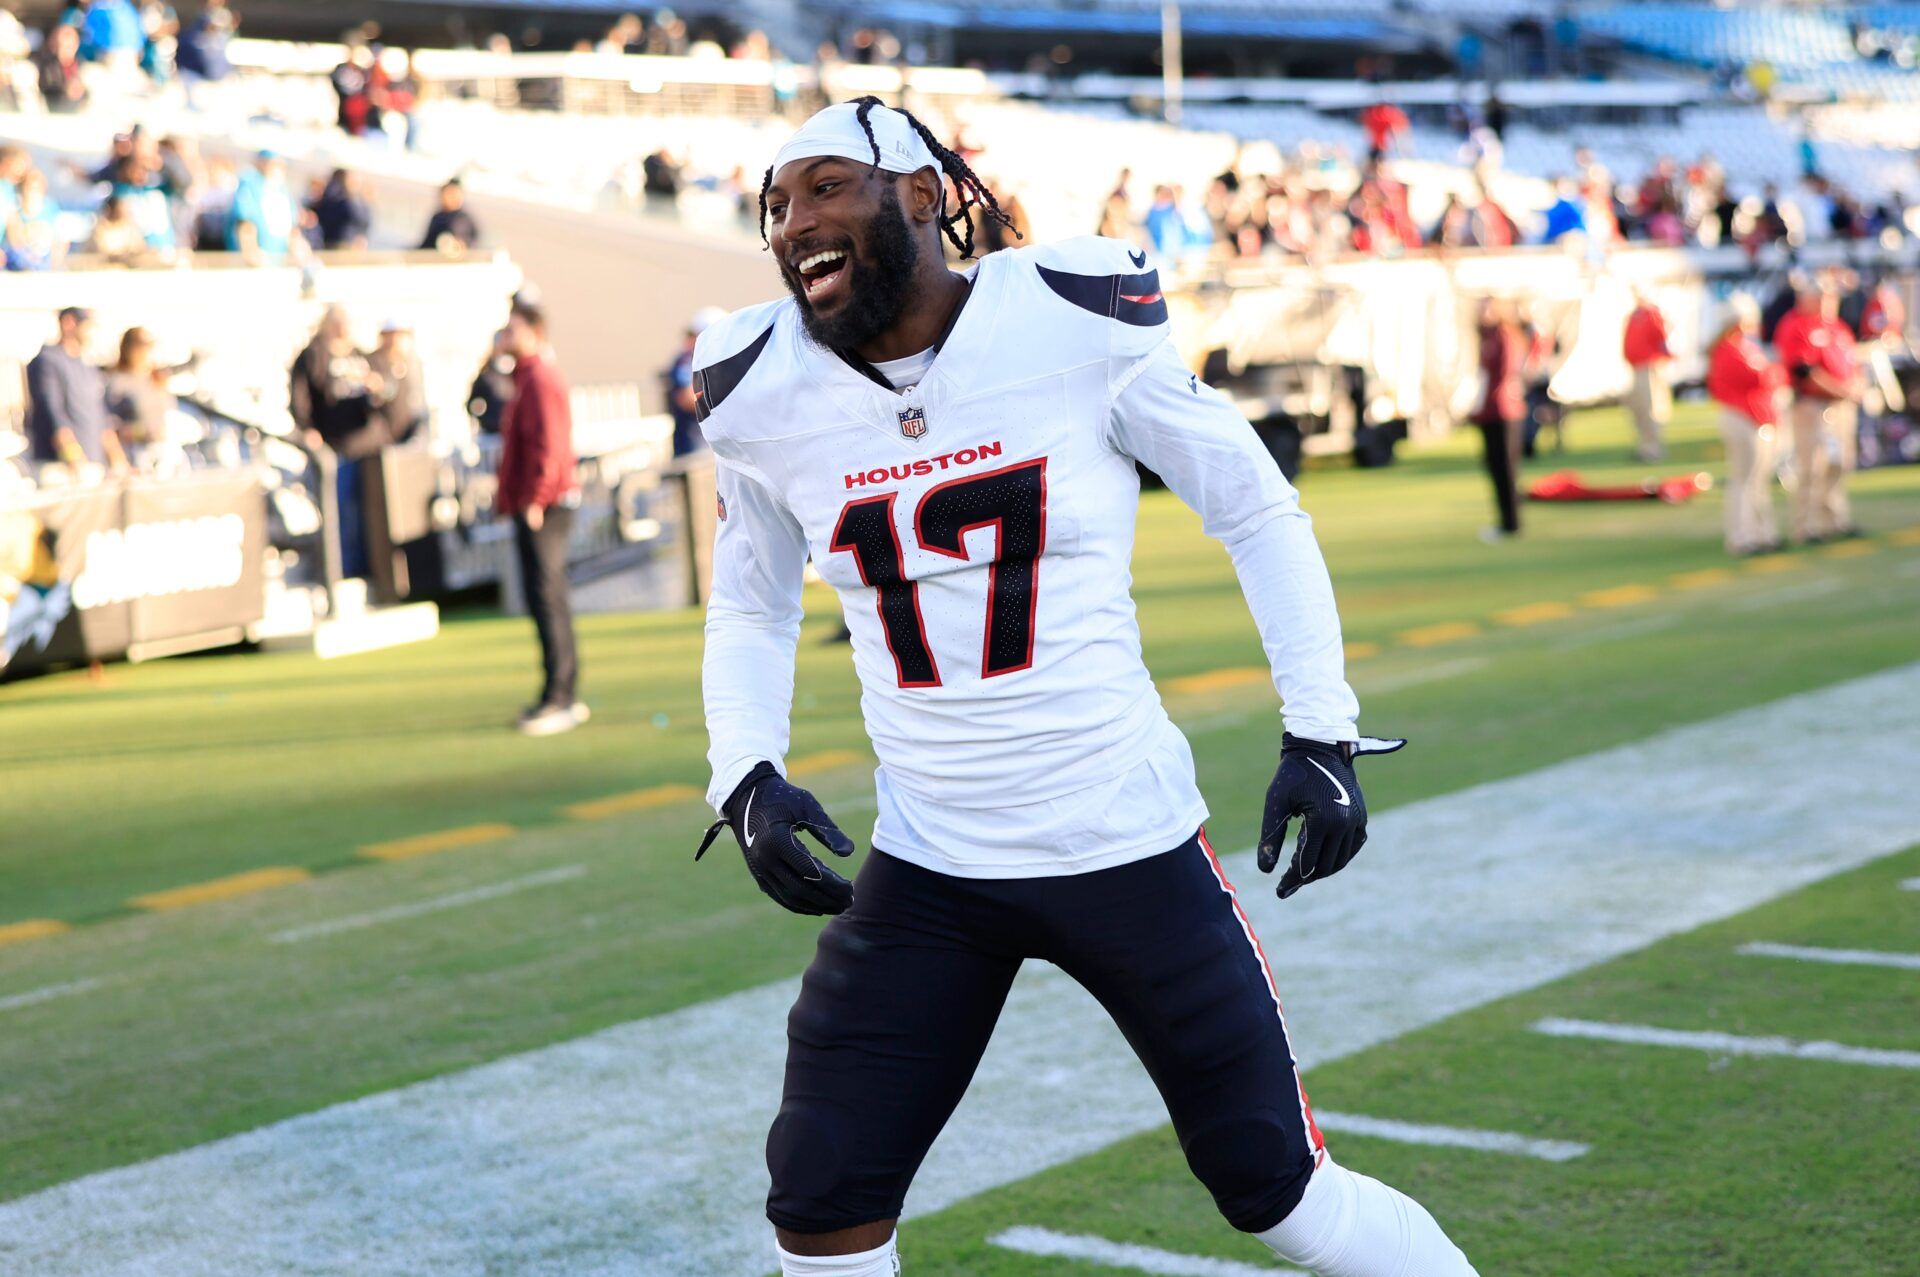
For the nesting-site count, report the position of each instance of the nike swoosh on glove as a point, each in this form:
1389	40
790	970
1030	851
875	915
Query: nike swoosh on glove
1316	783
766	815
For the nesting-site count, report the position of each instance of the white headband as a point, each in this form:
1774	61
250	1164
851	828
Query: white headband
836	131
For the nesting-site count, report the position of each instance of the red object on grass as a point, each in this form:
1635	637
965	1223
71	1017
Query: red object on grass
1567	485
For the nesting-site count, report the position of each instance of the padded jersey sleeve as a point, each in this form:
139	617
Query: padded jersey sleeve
753	629
1189	434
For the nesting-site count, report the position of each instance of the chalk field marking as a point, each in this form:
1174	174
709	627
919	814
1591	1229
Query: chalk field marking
1839	957
47	993
1044	1242
641	1148
1436	634
1911	884
438	841
1729	1043
1434	673
1615	633
1788	595
419	908
1385	1128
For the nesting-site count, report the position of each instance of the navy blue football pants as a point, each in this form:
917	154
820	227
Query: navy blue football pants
904	990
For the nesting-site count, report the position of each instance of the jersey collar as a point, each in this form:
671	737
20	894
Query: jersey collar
853	360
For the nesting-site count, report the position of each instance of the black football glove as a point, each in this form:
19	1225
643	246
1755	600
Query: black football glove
1315	782
766	815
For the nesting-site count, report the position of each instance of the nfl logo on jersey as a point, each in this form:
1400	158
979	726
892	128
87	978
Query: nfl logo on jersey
913	422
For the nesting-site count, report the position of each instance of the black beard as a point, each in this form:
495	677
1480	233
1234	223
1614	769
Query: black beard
880	280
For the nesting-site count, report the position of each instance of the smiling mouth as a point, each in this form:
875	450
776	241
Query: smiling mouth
819	272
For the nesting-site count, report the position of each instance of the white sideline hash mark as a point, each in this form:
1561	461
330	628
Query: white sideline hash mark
47	993
1911	884
1386	1128
1729	1043
397	913
1839	957
1098	1250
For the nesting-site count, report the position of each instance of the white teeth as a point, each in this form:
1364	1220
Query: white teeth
820	259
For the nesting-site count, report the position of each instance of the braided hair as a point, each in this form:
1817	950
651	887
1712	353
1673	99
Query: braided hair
973	193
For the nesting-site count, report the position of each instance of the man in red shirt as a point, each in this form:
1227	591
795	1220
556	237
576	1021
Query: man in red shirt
1651	398
1748	387
1383	122
1817	349
536	489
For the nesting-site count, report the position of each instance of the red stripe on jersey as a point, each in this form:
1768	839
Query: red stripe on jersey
1145	299
1318	1140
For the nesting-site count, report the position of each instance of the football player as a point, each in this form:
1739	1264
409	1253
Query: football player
956	452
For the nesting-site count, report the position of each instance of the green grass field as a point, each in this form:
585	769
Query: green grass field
184	772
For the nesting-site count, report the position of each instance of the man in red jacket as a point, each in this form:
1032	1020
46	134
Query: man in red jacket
1817	349
537	490
1651	399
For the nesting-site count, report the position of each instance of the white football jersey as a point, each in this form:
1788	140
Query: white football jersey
978	528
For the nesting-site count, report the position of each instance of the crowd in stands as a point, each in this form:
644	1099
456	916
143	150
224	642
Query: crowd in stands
120	44
84	421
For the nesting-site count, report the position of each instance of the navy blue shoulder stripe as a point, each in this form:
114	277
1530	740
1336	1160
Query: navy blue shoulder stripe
1131	299
716	381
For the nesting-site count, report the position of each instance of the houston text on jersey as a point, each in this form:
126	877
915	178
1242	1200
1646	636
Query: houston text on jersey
927	465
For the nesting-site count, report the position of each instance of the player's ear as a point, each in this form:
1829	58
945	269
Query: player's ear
923	195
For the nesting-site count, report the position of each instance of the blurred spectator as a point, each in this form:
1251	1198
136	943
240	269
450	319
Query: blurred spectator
661	181
212	204
117	237
112	34
160	26
990	234
264	213
1385	123
137	394
342	214
679	384
331	399
62	86
1503	407
1567	214
1644	344
395	94
16	58
492	387
1817	349
202	51
15	164
402	395
353	87
536	490
31	235
451	229
67	401
1748	387
180	180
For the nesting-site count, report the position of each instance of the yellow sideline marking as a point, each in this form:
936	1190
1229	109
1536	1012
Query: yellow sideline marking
1218	680
239	884
1905	536
824	761
635	800
1847	549
1534	613
427	844
1619	596
1770	563
1362	650
1700	580
31	929
1444	632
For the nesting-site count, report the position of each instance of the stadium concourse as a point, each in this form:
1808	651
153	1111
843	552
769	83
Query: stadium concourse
310	963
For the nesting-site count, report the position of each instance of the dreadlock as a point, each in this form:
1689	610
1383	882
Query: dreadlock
972	192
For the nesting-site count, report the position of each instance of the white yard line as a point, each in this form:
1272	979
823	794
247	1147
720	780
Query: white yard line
419	908
1449	1136
640	1148
1432	673
47	993
1045	1242
1839	957
1910	884
1616	633
1728	1043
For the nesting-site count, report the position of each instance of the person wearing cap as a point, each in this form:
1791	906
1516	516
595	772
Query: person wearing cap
1749	388
265	214
958	453
679	384
1817	349
1651	399
67	418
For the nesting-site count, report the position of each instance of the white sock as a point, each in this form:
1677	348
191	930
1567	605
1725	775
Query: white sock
1348	1225
882	1261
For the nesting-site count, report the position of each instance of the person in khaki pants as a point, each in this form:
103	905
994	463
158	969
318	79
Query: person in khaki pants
1817	349
1749	388
1644	345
